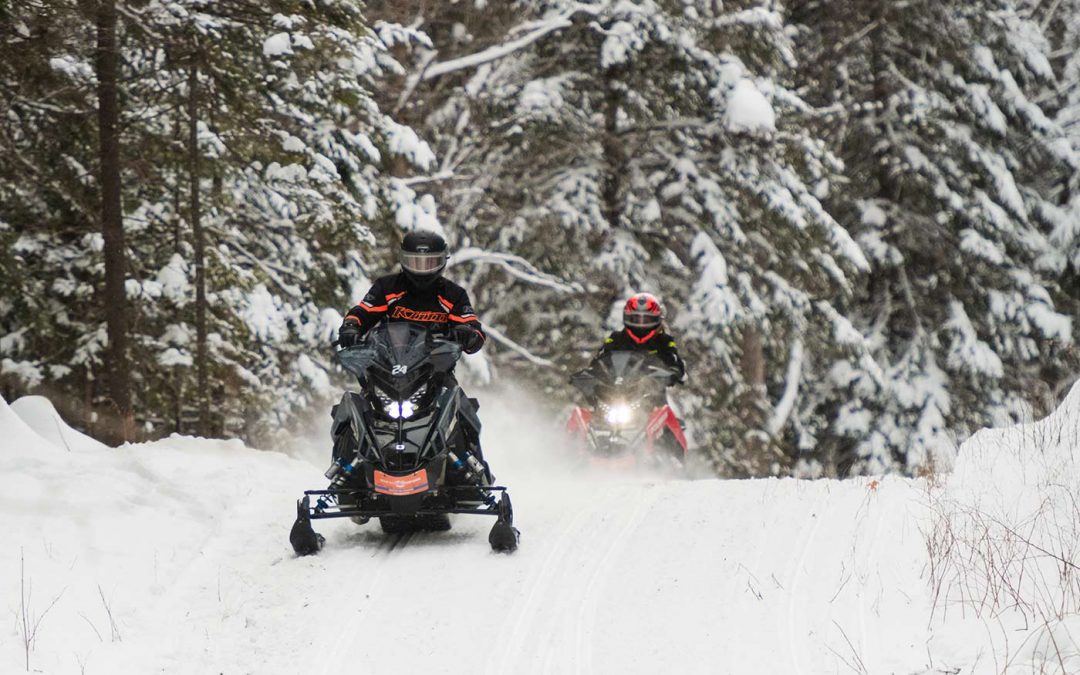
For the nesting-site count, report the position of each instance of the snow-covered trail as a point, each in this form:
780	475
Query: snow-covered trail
629	576
615	574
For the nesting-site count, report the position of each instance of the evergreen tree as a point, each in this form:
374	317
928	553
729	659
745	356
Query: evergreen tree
51	328
262	178
948	163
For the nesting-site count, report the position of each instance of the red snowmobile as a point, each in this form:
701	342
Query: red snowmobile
629	422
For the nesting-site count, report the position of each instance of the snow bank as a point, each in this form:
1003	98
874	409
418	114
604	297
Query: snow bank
39	414
107	533
1021	461
1006	548
16	435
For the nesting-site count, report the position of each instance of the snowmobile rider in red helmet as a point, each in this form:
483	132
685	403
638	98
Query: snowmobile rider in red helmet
643	330
418	293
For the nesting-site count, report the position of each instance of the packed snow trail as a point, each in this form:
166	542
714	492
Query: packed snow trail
172	557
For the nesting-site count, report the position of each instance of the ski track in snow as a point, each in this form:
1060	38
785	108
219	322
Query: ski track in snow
792	582
590	600
335	654
525	613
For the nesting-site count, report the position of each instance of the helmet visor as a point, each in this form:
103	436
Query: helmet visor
423	263
641	319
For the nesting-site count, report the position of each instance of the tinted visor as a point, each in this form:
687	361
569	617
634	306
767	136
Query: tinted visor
641	319
422	263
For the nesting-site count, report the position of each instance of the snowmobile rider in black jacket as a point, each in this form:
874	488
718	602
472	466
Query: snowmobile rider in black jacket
419	293
643	330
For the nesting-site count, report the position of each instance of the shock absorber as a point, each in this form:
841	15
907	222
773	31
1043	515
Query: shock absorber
474	470
340	470
338	474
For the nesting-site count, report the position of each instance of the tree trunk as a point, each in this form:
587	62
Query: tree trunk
202	386
752	403
752	364
614	153
112	225
886	181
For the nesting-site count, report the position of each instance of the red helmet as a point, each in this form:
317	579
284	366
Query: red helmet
642	313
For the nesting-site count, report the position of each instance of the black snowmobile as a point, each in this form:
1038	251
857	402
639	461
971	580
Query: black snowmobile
406	449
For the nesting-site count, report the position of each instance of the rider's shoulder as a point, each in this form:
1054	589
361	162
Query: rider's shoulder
665	339
391	280
449	288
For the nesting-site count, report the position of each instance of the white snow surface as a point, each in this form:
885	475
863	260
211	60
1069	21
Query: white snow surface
172	557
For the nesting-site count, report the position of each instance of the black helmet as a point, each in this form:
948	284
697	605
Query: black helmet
423	257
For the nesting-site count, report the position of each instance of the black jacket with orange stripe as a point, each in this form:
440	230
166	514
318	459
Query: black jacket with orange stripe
656	342
443	304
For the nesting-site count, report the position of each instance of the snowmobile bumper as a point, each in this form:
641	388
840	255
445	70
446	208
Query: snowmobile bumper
418	505
503	537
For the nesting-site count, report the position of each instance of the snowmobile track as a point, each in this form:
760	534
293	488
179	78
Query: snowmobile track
586	617
538	591
352	609
793	579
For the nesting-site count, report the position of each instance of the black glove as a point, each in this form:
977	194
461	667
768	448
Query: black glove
348	334
468	337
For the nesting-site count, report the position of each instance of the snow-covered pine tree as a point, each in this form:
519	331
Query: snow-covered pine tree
1061	21
51	323
294	186
948	163
291	177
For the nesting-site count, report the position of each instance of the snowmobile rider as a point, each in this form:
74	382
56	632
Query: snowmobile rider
643	330
419	293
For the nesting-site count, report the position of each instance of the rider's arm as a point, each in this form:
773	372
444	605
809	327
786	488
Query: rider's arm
461	313
371	309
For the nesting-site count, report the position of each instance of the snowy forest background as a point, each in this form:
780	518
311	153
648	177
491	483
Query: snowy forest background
862	216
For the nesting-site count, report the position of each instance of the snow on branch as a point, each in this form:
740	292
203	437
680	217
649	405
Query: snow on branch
791	390
516	265
500	337
532	31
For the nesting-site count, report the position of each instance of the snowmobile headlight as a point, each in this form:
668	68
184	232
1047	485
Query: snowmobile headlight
418	394
619	413
402	410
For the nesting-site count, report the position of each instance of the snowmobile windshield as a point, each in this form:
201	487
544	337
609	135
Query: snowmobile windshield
628	372
404	343
624	364
399	357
